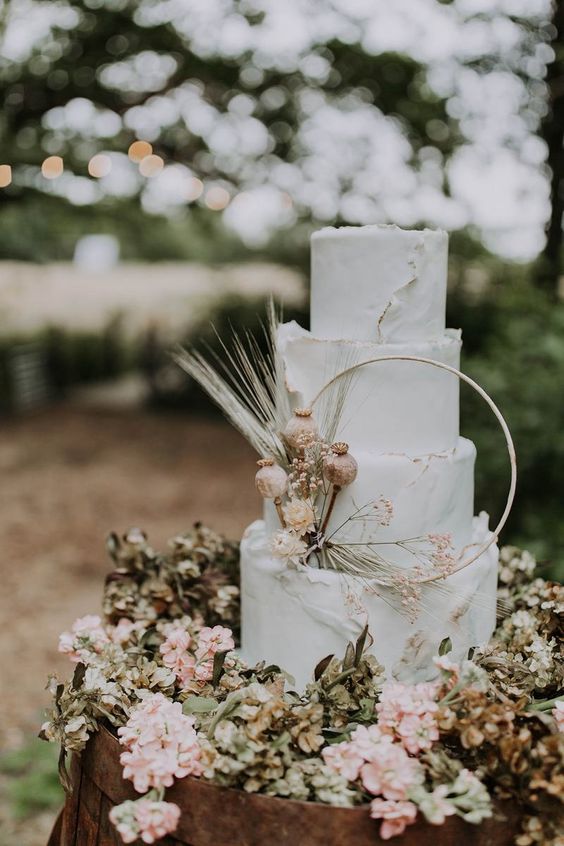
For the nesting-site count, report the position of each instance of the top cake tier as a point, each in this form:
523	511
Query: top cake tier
378	283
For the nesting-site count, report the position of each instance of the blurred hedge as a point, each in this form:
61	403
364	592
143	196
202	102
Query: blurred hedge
514	347
67	359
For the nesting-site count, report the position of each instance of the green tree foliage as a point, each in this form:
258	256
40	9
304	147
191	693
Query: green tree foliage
211	94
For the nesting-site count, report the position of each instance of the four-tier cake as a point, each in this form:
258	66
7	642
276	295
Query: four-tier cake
376	292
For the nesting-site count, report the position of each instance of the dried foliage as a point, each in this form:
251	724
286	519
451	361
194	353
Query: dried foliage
198	576
486	727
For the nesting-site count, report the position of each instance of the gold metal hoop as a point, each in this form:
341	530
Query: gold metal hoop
501	420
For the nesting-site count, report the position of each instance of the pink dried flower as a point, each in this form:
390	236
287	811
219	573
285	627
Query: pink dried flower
383	766
187	666
156	819
396	816
367	741
145	819
343	758
391	773
408	712
442	556
122	631
212	640
174	648
185	669
383	511
160	744
85	640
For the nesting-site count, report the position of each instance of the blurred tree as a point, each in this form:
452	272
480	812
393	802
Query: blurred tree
550	263
248	98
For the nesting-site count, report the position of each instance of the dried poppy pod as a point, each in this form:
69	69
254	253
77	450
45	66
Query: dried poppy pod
339	467
301	429
271	481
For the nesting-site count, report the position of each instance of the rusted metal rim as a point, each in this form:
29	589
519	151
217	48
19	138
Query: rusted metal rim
218	816
465	562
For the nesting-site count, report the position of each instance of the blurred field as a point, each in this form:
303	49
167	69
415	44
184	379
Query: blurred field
70	476
170	295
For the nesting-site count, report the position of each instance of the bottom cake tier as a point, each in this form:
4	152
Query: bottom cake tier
294	618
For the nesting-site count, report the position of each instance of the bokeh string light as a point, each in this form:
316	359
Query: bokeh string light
99	165
151	166
139	150
52	167
5	175
195	189
217	198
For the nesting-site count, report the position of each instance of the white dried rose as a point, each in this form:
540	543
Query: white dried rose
286	544
299	516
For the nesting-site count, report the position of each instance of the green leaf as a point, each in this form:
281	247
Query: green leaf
199	705
218	662
151	639
113	546
366	710
282	740
349	659
64	777
361	645
445	646
227	709
322	666
78	676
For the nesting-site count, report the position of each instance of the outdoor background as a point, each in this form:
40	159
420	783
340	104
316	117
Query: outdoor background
162	165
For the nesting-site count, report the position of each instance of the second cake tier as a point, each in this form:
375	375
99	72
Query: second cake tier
429	494
386	406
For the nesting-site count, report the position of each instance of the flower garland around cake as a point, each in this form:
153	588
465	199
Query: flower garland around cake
158	669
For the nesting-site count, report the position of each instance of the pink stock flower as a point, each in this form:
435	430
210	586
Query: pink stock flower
367	740
156	819
395	815
344	759
160	744
408	713
417	732
122	631
391	773
184	664
384	767
145	819
174	648
85	640
185	670
212	640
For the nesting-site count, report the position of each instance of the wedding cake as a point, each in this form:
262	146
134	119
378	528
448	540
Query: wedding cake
376	292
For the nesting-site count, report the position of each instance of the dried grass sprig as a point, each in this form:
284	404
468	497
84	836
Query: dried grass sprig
248	386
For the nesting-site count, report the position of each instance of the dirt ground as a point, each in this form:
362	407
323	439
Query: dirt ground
69	476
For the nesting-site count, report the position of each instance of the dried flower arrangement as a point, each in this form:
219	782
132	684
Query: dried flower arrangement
159	669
